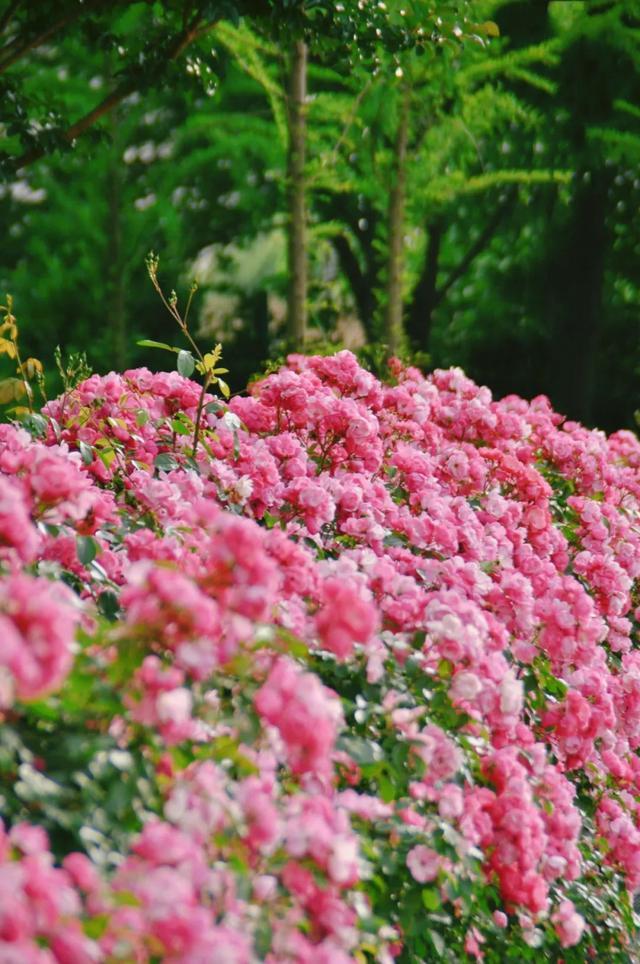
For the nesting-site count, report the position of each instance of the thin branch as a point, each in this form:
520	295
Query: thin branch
112	100
474	141
395	227
349	261
5	19
196	431
170	305
478	245
350	119
192	291
420	314
13	52
181	42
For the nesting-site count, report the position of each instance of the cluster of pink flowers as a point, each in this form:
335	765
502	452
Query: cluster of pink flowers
411	531
38	620
39	904
305	714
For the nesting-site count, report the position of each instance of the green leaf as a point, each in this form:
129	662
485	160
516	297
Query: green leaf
107	455
165	462
360	750
124	898
36	424
431	898
96	927
489	28
386	789
292	644
149	343
394	539
87	549
57	431
224	388
186	363
180	427
438	942
263	936
86	452
191	463
108	604
44	710
142	417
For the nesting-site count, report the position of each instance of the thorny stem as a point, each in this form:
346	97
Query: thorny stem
175	314
192	291
171	304
27	385
10	317
196	431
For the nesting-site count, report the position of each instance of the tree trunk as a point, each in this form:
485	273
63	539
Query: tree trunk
115	261
361	281
575	283
297	240
178	45
425	294
396	215
258	305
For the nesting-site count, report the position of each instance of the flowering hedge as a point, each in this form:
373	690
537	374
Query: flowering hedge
359	682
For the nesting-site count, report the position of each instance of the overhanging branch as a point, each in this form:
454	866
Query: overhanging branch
476	248
123	90
5	19
14	51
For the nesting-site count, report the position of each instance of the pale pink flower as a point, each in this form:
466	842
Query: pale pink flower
568	923
424	863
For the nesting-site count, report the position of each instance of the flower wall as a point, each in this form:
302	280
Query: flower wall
360	682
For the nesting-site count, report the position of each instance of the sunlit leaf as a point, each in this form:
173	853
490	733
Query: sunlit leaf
32	367
165	462
87	549
186	363
431	898
149	343
86	452
11	389
7	348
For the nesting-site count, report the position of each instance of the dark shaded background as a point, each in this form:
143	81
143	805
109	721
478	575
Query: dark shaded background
531	282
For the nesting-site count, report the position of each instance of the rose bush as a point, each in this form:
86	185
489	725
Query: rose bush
359	681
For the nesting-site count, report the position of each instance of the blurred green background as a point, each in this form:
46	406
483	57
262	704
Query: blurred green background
493	146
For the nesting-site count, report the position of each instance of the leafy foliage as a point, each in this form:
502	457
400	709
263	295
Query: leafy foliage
191	160
375	700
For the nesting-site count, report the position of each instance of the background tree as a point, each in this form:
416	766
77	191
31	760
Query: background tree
553	309
509	266
440	114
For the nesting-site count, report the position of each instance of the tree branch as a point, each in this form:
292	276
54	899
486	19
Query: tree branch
350	119
478	245
359	283
396	220
12	52
419	316
5	19
127	87
297	240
